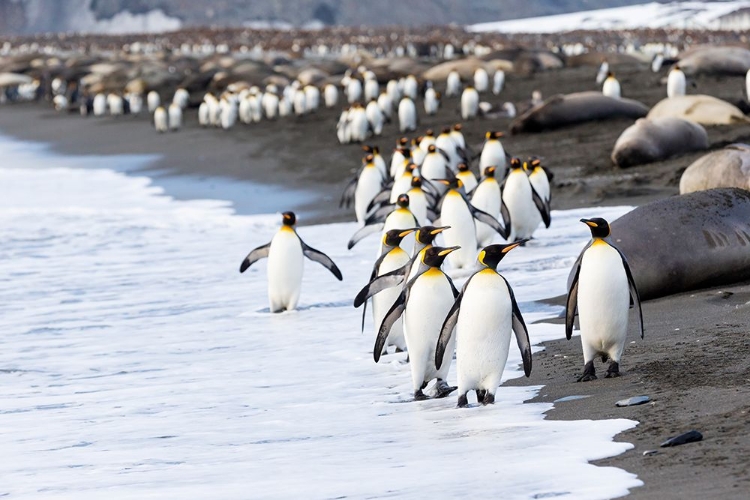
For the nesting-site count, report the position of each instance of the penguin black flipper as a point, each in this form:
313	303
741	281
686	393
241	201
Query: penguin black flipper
347	197
395	312
444	154
373	275
381	197
522	333
321	258
453	287
380	283
380	214
363	232
633	290
542	206
254	256
571	304
431	215
483	216
505	214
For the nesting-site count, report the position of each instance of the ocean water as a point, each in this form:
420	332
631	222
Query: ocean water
136	362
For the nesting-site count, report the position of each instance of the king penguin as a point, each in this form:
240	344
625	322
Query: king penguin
484	315
488	198
611	87
469	103
493	154
285	254
424	303
391	258
467	177
525	205
601	289
407	115
676	82
539	178
369	184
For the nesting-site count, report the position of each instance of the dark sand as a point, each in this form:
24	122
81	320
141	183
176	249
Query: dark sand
695	360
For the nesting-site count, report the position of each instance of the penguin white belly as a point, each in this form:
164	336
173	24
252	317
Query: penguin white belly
401	185
434	167
675	83
455	213
483	333
407	116
486	198
469	104
382	302
453	84
541	184
524	216
418	205
368	186
470	182
285	266
493	155
611	88
603	302
397	164
430	300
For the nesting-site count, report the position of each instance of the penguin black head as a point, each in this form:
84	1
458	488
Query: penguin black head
403	141
429	133
416	182
515	163
369	158
288	218
599	227
610	74
434	256
454	183
446	130
431	148
410	167
493	135
403	201
463	167
457	127
427	234
491	256
490	171
393	237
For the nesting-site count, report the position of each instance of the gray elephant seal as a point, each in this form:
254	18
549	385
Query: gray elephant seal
649	140
716	61
728	167
686	242
561	110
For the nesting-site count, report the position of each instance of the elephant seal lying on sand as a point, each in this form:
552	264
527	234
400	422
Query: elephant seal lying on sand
561	110
649	140
728	167
686	242
716	61
703	109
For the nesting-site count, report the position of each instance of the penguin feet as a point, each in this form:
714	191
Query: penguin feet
443	389
463	402
613	370
420	396
489	398
480	395
589	372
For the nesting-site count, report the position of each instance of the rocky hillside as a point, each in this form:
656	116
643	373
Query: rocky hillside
34	16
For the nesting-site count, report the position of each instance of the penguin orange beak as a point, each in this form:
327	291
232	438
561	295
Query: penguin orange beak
513	245
439	230
407	231
447	251
589	223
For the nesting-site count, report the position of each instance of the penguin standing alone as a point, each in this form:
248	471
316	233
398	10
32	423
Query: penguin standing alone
611	87
469	103
424	303
676	82
483	315
285	254
601	289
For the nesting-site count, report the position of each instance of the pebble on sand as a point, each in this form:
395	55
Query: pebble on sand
688	437
637	400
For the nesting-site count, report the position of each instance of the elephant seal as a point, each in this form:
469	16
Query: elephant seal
649	140
561	110
686	242
716	61
728	167
703	109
